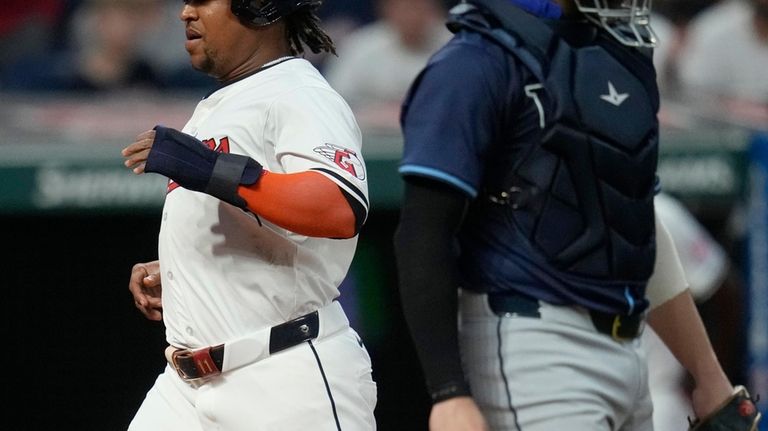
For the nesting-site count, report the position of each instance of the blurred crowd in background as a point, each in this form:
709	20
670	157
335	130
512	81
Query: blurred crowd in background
707	49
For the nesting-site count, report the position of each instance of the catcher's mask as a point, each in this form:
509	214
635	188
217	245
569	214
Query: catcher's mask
629	21
265	12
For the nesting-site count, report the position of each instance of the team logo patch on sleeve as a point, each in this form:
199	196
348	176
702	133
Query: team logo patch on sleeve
344	158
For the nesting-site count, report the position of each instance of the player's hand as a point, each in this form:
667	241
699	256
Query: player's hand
457	414
136	154
146	289
709	394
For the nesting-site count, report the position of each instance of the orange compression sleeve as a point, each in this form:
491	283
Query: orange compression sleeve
307	203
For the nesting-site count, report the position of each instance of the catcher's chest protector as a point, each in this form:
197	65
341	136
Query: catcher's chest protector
583	197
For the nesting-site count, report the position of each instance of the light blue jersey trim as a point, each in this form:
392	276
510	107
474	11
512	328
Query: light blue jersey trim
438	175
630	300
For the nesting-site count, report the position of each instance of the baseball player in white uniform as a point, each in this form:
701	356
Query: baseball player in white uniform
266	195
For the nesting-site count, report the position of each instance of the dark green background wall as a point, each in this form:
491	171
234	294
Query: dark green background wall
78	355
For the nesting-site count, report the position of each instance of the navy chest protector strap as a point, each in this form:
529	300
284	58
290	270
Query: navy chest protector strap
531	31
583	197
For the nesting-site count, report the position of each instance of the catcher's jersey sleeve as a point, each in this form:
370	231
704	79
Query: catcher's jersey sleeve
448	133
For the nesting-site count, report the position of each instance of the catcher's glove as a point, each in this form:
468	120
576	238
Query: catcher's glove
737	413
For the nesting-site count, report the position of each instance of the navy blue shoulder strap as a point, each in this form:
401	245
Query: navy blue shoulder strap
535	34
526	37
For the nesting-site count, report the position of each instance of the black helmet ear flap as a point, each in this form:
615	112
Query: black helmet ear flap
265	12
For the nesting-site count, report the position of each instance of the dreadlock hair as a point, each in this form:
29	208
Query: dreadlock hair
302	27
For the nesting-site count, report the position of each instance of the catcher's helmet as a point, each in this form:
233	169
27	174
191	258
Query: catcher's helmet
264	12
629	21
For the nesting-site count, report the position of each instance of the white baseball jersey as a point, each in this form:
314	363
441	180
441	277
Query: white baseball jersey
226	273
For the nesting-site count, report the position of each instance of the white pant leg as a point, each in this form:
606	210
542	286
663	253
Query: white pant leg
323	385
541	374
168	406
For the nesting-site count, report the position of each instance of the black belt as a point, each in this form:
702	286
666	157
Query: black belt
618	326
206	362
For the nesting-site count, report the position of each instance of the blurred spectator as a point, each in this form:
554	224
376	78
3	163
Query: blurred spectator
664	55
340	18
338	28
726	51
162	47
355	10
27	28
377	63
103	54
680	12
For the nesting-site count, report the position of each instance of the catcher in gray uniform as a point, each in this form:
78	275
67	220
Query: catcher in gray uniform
528	251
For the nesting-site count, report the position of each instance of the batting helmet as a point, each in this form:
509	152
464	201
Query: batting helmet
264	12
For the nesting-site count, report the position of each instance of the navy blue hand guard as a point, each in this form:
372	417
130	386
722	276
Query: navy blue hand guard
194	166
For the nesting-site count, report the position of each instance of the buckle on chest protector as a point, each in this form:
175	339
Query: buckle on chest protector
516	197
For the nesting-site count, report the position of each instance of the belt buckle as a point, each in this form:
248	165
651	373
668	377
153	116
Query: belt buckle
203	363
615	329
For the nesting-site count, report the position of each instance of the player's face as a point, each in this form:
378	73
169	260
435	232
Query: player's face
217	43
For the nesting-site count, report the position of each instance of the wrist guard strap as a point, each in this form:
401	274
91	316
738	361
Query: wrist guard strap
196	167
229	171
